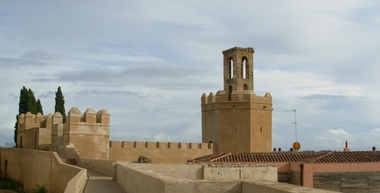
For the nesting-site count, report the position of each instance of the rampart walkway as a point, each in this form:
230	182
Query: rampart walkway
99	183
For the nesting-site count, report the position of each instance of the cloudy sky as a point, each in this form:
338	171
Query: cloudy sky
149	62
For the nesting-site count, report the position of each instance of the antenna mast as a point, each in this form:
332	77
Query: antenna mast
295	121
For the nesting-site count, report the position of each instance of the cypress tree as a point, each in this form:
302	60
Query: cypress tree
60	103
23	103
26	104
32	103
22	108
39	107
16	128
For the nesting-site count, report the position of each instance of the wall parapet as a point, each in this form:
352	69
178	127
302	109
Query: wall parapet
158	152
29	120
89	116
248	96
158	145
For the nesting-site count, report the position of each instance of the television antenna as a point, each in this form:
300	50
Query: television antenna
296	144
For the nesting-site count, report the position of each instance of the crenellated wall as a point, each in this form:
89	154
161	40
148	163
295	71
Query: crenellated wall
237	125
88	132
34	131
29	121
249	96
158	152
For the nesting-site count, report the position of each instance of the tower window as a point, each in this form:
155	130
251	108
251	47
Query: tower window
244	68
261	129
231	68
245	87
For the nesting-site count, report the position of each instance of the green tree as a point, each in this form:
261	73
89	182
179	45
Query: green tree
60	103
26	104
23	103
32	103
22	108
39	107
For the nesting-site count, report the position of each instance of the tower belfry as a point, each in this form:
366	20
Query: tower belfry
238	70
235	119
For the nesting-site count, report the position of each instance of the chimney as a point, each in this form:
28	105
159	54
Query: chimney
346	149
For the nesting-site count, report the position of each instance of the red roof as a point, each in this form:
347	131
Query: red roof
309	157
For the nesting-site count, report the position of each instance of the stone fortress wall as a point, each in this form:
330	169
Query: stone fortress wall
89	134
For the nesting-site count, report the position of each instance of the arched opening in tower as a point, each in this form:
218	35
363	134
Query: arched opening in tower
244	68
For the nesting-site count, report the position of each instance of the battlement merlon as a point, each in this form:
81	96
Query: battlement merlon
57	118
248	96
29	121
249	49
89	116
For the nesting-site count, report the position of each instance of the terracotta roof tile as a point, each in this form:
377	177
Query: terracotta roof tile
309	157
349	157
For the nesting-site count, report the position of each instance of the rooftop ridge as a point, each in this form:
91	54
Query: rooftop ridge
220	157
316	157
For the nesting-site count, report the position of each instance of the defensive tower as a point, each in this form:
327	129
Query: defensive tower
235	119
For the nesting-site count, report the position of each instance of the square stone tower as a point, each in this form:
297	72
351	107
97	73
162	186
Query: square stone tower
235	119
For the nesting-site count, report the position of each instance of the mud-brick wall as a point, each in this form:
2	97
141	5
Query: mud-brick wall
295	178
358	182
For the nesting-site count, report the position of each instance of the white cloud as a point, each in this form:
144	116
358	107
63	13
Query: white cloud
320	58
339	132
162	137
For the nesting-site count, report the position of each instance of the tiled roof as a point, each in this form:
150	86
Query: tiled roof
309	157
349	157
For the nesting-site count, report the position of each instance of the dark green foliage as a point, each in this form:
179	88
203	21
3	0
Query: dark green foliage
22	107
9	184
32	103
39	107
40	189
23	104
16	127
60	103
16	186
26	104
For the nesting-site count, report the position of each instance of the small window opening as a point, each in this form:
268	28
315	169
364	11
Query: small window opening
261	129
235	129
245	87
